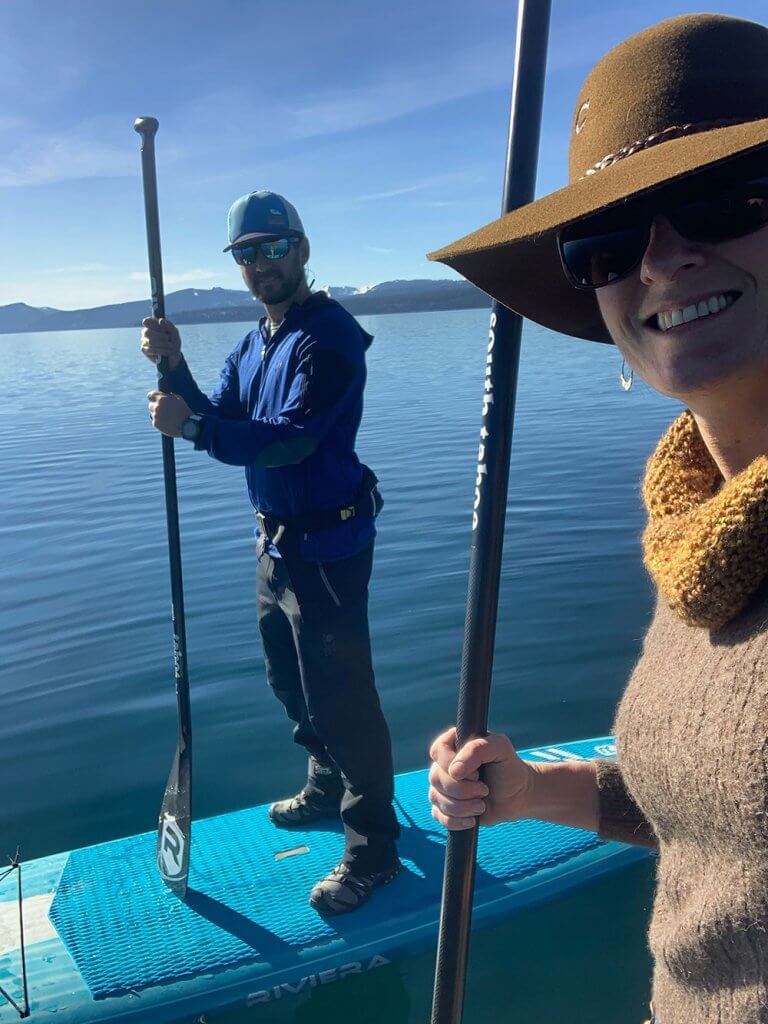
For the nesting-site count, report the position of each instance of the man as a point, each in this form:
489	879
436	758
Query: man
287	408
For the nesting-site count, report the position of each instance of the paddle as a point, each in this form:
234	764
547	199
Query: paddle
489	511
174	837
23	1011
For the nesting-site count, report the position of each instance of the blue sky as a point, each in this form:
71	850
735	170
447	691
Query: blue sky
385	124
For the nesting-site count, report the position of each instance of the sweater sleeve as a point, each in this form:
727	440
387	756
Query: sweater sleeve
620	817
326	379
225	398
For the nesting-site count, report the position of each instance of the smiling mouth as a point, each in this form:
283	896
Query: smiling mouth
706	308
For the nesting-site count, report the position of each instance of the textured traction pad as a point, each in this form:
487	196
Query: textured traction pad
126	931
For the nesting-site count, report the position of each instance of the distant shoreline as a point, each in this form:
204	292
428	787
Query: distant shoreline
245	314
220	305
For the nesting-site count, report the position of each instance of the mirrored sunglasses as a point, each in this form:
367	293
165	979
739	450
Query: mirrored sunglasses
607	247
274	249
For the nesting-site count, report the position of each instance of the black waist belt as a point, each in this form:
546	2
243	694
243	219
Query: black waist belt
367	505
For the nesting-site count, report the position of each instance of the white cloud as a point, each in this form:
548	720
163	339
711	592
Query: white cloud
182	277
11	123
390	193
96	147
82	268
472	198
82	289
68	293
27	63
397	91
42	160
464	177
404	90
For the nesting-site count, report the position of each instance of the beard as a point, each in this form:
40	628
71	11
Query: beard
274	287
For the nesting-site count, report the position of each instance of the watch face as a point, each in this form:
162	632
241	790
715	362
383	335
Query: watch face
190	429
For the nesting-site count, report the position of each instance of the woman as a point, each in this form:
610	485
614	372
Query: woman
660	245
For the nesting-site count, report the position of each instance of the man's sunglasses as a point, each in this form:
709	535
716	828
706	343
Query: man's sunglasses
274	249
607	247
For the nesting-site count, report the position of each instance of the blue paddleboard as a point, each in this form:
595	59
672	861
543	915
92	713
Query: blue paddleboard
107	941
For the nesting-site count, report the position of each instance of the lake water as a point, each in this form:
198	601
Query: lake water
87	707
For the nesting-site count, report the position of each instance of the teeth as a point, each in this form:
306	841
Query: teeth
674	317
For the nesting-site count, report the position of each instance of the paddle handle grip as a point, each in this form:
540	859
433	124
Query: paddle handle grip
147	128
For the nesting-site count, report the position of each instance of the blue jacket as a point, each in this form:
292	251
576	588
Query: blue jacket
288	408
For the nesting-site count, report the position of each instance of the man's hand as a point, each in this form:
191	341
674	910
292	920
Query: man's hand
161	338
458	796
168	412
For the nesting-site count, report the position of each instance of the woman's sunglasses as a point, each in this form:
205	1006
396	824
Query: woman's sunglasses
609	246
274	249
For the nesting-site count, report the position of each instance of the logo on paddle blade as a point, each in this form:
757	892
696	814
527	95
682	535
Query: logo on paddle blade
170	850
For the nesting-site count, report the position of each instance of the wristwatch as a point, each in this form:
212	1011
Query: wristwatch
190	428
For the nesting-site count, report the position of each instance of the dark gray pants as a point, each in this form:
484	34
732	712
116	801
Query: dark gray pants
313	620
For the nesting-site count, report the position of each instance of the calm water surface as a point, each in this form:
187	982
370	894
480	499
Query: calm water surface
87	709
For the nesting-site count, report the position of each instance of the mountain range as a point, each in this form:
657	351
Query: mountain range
218	305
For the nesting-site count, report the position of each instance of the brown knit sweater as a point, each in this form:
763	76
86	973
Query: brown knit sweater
692	736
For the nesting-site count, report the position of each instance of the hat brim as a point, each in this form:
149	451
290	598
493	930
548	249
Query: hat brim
515	259
263	236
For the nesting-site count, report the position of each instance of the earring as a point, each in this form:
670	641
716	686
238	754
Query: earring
626	382
307	274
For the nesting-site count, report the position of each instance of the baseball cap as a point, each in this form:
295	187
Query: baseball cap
262	214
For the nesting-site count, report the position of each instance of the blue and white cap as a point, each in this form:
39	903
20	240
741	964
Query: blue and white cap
261	215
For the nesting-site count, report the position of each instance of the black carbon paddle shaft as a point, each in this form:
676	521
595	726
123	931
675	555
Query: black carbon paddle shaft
175	822
489	511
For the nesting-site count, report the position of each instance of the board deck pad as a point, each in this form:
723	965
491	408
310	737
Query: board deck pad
131	941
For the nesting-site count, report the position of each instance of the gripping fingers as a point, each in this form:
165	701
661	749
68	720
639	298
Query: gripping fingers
159	338
490	749
452	824
457	789
148	351
443	749
154	398
456	808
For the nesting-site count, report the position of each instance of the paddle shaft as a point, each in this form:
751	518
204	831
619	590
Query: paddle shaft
174	833
489	511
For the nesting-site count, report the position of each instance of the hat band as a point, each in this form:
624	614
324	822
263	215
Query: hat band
675	131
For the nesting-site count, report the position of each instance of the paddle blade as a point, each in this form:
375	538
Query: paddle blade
174	831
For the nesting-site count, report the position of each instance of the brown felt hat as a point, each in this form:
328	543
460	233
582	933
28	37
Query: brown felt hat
680	97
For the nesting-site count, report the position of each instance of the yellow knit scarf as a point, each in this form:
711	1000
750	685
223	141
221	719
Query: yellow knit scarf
706	543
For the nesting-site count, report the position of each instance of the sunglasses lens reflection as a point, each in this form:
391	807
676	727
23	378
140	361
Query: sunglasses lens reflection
274	249
594	260
607	247
728	215
244	256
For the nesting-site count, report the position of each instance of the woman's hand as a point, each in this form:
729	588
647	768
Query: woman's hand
458	796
